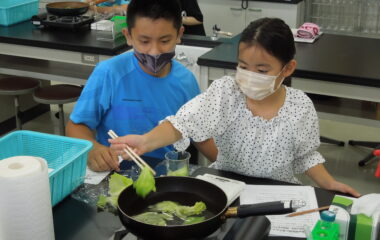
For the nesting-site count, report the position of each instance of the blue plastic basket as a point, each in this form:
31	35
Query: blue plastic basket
15	11
66	158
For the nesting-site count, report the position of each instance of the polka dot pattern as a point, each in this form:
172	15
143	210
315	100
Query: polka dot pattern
250	145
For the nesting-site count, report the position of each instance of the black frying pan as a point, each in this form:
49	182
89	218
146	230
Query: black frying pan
186	191
70	8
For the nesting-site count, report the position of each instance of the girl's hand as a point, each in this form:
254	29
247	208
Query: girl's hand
135	142
344	188
324	180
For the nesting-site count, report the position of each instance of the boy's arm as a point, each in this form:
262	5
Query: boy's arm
322	177
119	9
190	21
100	158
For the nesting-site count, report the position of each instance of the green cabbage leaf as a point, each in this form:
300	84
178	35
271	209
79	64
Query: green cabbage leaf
186	211
145	183
117	183
153	218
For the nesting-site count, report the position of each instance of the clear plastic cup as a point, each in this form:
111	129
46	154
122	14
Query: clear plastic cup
177	163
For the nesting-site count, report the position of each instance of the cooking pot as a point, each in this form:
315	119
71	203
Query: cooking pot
70	8
186	191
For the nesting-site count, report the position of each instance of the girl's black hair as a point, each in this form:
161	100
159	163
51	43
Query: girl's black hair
154	9
274	35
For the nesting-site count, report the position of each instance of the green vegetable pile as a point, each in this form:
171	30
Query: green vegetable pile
162	212
184	171
117	183
154	218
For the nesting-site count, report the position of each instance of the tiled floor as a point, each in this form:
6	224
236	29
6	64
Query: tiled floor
341	161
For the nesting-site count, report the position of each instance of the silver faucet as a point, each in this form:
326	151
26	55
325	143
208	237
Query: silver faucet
216	31
184	59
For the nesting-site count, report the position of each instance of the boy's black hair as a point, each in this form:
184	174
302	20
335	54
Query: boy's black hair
274	35
154	9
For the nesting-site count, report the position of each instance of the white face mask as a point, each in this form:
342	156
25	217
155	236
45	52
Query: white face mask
255	85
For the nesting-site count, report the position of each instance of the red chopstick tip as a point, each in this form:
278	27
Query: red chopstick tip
377	174
376	152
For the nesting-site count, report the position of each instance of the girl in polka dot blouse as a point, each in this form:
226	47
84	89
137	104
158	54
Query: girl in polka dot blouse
261	128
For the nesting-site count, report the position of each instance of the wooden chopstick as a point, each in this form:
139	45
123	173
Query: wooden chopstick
308	211
136	158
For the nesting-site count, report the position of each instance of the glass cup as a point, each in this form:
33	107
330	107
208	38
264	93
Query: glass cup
175	164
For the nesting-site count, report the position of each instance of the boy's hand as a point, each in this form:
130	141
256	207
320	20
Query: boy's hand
344	188
135	142
100	158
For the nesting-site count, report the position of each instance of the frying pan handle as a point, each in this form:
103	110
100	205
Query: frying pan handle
268	208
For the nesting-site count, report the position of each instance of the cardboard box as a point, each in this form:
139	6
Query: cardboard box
354	227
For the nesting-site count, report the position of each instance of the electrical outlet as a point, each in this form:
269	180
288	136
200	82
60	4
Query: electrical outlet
90	58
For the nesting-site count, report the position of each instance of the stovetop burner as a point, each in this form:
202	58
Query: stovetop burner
72	22
243	229
217	235
126	235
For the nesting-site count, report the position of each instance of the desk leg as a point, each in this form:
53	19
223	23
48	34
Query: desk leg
378	111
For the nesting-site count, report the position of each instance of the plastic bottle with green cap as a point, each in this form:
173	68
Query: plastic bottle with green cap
326	228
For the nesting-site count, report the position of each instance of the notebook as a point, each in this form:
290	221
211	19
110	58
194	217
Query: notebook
231	187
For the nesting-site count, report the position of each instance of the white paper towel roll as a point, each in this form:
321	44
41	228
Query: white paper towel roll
25	205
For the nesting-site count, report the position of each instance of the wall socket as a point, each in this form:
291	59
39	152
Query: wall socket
90	58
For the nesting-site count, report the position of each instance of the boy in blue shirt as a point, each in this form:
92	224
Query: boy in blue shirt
132	92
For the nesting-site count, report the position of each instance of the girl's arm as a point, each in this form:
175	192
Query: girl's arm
208	149
203	117
160	136
322	178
